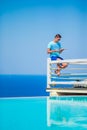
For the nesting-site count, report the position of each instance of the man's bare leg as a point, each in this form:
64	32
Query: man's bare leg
58	71
64	65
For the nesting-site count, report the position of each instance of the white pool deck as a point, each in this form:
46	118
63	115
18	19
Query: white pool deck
66	91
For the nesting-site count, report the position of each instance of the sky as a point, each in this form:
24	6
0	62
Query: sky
26	28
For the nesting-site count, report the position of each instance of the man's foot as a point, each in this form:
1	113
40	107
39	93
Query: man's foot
57	72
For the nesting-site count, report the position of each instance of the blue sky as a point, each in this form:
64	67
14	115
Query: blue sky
26	28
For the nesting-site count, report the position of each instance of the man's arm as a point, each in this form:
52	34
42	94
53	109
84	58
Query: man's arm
60	48
50	51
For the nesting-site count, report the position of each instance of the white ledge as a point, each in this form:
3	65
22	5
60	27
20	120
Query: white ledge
69	61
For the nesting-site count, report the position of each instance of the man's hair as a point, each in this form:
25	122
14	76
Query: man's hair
58	35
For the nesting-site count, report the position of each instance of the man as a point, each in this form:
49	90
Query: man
54	49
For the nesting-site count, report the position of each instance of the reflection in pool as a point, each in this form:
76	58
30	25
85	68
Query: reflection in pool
67	111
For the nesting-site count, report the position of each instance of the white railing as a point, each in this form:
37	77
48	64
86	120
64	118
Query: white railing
51	72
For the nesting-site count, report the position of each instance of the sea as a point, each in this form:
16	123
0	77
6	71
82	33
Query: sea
23	85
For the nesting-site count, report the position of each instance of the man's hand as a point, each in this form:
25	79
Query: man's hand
50	51
61	50
55	50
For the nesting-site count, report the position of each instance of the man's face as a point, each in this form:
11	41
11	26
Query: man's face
57	39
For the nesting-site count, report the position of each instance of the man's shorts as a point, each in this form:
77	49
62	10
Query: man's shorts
57	57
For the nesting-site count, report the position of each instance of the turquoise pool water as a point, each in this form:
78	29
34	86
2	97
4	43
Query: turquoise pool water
44	113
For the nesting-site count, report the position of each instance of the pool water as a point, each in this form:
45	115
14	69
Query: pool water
44	113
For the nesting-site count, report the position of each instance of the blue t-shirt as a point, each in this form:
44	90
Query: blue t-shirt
54	46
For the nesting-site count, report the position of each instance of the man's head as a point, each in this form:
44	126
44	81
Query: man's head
57	37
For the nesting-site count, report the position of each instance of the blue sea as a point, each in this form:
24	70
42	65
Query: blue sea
23	85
